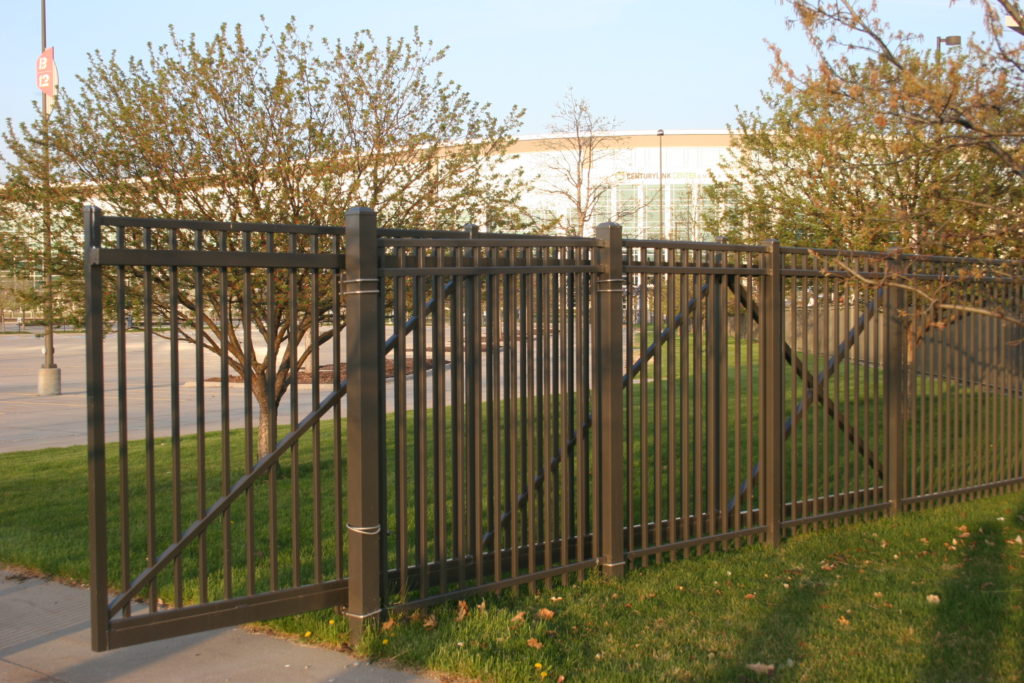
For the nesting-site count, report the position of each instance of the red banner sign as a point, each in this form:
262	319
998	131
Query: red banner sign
46	73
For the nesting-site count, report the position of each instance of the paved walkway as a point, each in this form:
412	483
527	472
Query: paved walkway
44	636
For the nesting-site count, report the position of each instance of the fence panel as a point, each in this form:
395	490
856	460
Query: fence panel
692	396
836	331
490	470
966	392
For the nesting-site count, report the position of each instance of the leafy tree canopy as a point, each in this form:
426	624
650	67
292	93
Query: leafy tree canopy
286	129
881	143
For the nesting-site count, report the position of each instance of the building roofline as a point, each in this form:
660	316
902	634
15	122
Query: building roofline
628	133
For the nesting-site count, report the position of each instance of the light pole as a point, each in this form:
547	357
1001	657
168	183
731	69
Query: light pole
948	41
661	190
49	374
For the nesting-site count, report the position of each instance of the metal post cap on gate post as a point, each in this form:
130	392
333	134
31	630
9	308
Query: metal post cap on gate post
359	211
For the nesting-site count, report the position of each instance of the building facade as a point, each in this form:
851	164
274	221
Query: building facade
652	182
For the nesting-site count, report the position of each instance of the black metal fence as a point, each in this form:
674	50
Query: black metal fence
388	419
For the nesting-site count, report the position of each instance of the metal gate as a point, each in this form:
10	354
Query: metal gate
195	523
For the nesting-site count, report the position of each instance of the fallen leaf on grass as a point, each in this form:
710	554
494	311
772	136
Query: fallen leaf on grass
545	614
461	611
877	594
387	625
520	616
750	596
534	643
430	621
763	669
843	621
933	599
482	606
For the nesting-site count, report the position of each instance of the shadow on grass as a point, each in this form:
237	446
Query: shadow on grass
776	637
972	614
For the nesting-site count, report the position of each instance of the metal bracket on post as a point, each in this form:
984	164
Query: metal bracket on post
365	344
895	361
773	389
609	369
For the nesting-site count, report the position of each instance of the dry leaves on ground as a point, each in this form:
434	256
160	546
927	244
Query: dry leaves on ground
763	669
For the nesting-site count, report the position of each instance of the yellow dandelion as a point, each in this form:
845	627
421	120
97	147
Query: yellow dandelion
385	641
543	674
307	634
538	665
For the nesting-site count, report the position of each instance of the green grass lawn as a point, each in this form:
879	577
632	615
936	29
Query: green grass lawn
932	595
849	602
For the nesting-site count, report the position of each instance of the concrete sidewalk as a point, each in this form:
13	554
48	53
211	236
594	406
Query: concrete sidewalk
44	636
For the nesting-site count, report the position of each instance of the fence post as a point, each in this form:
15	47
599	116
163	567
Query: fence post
609	368
364	342
772	319
96	438
895	365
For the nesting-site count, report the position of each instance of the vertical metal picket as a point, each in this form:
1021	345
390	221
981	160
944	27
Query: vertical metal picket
773	393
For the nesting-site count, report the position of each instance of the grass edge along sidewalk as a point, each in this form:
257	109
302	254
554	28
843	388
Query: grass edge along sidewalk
936	594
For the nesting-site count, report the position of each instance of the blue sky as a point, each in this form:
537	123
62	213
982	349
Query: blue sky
684	64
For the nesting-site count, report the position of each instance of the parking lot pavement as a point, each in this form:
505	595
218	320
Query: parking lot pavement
31	421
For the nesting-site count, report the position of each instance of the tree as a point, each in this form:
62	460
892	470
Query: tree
979	106
37	183
840	160
574	154
282	130
881	144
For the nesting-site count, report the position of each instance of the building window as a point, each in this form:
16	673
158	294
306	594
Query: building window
628	206
683	219
652	212
602	207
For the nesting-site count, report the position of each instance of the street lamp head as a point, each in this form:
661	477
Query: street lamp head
951	41
661	132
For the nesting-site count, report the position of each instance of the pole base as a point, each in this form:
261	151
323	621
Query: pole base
49	381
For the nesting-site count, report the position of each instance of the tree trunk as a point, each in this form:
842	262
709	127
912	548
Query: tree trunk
268	410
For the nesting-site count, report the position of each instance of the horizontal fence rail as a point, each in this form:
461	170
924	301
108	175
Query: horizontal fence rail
306	416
